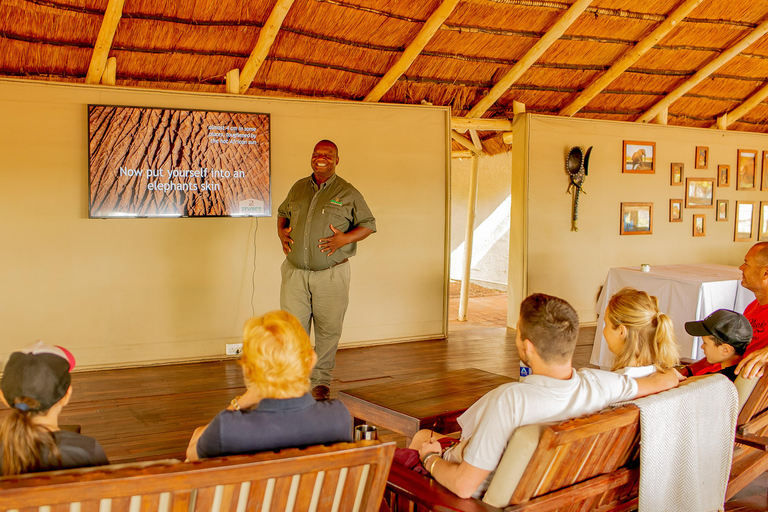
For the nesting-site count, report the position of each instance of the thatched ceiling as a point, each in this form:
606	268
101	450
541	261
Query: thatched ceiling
692	71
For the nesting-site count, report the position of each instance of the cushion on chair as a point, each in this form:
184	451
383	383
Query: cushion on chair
744	387
513	463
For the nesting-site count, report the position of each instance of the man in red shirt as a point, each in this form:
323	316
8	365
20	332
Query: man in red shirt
754	273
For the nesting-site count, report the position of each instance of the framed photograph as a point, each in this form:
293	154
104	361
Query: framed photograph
702	157
700	225
639	157
699	193
675	210
745	211
764	181
746	164
722	210
636	219
762	227
676	174
723	175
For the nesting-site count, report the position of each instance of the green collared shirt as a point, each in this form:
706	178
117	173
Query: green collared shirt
311	210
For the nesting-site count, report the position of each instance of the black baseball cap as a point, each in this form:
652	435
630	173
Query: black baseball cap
725	325
39	371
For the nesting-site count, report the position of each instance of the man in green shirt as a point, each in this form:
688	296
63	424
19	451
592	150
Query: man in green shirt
319	225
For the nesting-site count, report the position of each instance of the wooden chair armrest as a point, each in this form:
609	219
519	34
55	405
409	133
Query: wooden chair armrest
757	423
428	493
759	442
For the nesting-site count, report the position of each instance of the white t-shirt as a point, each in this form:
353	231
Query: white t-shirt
491	421
637	372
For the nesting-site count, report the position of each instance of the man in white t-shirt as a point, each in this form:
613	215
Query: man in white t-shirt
546	338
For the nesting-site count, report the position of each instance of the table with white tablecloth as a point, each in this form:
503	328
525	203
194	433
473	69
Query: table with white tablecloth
685	292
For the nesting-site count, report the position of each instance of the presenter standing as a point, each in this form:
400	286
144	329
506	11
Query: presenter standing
319	225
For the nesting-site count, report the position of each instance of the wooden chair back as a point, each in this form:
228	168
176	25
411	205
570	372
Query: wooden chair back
343	477
750	455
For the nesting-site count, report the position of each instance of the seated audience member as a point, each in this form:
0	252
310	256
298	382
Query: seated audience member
36	386
641	337
277	410
754	272
725	336
546	338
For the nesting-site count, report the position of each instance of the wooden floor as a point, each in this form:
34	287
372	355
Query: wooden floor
150	413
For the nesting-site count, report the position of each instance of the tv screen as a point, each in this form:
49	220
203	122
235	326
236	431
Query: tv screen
151	162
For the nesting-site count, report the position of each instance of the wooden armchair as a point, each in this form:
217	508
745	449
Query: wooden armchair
343	477
750	456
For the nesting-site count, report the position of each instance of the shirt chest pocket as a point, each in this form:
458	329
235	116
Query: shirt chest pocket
293	210
337	216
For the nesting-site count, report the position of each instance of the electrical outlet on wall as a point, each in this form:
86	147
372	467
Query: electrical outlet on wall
234	349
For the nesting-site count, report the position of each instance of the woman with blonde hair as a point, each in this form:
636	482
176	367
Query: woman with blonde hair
277	410
641	337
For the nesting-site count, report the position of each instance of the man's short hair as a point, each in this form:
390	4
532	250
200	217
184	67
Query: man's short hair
551	324
330	143
762	254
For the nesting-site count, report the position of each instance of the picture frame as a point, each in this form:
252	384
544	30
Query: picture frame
639	157
699	193
762	226
722	210
700	225
676	174
636	219
746	162
723	175
764	180
701	159
742	227
675	210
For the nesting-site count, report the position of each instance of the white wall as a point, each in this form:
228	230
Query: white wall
124	291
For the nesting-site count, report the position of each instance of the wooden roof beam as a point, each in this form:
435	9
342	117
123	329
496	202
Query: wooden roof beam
490	125
465	142
552	35
476	141
413	50
704	72
734	115
630	57
267	36
112	16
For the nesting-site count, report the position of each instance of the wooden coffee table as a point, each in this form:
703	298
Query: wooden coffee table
407	404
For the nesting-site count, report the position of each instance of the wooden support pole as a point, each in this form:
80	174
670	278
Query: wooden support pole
662	117
110	72
476	141
552	35
704	72
465	123
518	108
630	57
507	137
469	235
98	63
722	122
413	50
461	154
464	141
267	36
739	112
233	81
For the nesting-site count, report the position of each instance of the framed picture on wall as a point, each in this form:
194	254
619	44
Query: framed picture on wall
764	181
636	219
700	225
723	175
722	210
699	193
745	211
702	157
639	157
746	164
676	174
762	226
675	210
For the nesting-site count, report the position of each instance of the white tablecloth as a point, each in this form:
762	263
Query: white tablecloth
685	293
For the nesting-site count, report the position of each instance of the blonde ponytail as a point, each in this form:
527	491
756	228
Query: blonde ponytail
25	442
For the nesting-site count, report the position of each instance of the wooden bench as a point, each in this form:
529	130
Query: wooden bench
343	477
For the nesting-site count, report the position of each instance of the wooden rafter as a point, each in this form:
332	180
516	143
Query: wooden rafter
630	57
552	35
412	51
734	115
465	142
476	141
465	123
704	72
267	36
112	16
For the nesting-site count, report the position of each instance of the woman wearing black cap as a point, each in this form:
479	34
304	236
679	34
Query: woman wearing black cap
36	386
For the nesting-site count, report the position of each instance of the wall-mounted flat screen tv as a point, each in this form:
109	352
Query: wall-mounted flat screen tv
154	162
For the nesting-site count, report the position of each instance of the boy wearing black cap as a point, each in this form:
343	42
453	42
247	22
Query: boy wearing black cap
725	336
36	386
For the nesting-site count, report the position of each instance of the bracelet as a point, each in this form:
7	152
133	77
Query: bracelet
432	467
424	460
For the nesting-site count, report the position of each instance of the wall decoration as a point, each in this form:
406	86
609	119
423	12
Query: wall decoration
699	193
743	226
699	225
702	157
636	219
762	226
722	210
764	181
577	167
723	175
639	157
746	164
676	174
675	210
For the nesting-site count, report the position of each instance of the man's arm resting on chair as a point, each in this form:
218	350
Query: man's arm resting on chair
462	479
658	382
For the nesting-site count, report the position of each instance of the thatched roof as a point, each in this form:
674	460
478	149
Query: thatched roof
341	49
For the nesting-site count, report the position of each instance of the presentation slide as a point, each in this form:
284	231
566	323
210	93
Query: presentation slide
147	162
